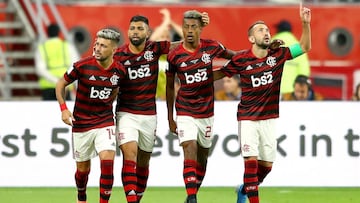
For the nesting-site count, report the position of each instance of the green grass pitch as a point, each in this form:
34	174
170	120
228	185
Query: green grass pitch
177	195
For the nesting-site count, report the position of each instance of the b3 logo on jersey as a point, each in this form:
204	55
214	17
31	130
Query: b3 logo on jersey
200	76
265	79
101	93
142	72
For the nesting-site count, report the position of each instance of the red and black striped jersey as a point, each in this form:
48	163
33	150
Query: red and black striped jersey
138	90
260	80
195	97
94	95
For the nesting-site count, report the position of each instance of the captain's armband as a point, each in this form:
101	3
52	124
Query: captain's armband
296	50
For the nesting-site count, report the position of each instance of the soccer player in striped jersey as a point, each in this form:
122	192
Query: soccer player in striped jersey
192	61
92	121
136	108
260	72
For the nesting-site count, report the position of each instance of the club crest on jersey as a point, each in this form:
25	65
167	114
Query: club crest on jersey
114	79
206	58
271	61
149	55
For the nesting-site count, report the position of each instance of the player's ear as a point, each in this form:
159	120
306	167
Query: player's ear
251	39
148	33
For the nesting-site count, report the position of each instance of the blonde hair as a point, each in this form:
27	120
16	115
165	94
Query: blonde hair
109	34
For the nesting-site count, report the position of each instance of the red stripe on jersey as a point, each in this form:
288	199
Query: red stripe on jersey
195	71
138	90
93	105
260	82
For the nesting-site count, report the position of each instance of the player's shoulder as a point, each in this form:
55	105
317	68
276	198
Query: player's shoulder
243	53
209	42
157	46
121	49
175	51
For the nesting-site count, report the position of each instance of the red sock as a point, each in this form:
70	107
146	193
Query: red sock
262	172
128	176
81	179
189	174
142	174
106	180
200	174
251	180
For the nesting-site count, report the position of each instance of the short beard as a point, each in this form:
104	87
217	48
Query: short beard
264	46
137	42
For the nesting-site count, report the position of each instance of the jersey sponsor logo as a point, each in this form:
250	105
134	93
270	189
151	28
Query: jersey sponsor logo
100	93
194	61
103	78
265	79
142	72
260	64
200	76
206	58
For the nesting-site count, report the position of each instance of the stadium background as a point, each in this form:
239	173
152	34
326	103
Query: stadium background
335	27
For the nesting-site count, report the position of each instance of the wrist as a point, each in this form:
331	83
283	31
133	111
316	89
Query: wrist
63	107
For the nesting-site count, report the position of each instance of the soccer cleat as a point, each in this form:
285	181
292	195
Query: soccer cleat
241	197
190	200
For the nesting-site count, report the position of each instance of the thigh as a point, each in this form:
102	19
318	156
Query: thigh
83	146
105	139
147	135
126	128
268	143
187	128
205	134
248	138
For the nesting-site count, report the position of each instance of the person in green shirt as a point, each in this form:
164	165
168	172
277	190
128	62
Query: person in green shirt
294	67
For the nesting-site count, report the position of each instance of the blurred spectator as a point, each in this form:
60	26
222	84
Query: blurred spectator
356	96
303	91
231	89
170	31
294	67
52	59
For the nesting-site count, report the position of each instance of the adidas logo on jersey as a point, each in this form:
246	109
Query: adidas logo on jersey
127	63
92	78
249	67
183	64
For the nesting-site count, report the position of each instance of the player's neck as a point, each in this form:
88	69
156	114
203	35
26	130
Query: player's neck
137	49
191	47
259	52
107	63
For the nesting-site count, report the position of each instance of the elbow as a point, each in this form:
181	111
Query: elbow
306	48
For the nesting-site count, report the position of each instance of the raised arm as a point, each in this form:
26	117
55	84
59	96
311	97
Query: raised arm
305	40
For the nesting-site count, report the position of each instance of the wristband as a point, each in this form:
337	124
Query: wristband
63	107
